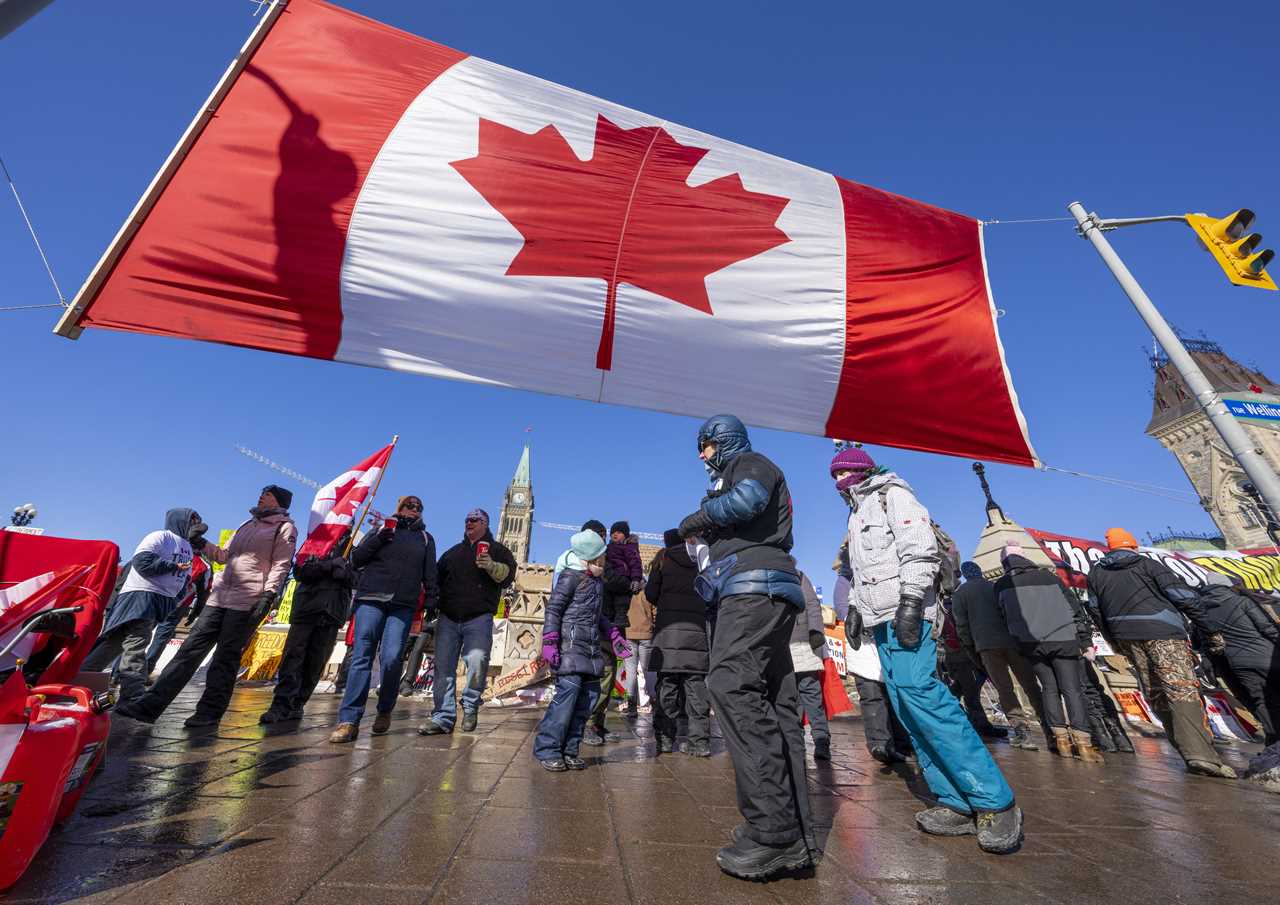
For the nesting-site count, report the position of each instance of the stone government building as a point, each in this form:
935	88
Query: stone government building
1181	426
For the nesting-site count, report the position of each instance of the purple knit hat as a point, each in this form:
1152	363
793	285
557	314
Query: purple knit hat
854	459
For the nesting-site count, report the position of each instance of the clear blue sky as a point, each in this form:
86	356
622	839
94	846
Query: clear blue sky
1006	112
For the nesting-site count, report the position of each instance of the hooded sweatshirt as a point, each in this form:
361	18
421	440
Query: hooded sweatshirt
1140	599
155	562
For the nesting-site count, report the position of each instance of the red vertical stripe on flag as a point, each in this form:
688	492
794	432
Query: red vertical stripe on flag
923	367
245	245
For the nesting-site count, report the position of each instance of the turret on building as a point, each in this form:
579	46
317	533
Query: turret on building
1181	426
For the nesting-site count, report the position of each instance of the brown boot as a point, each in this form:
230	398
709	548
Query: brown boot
381	723
1062	741
1085	750
343	733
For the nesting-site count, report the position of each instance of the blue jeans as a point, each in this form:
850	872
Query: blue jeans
560	732
374	622
956	765
472	641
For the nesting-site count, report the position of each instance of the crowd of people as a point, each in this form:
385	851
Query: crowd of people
722	622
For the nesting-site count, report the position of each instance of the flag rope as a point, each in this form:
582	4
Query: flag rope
62	301
1032	220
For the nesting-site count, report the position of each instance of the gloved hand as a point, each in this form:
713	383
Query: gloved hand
621	648
818	643
853	628
198	542
636	586
907	622
496	570
1215	643
551	648
262	606
385	534
695	523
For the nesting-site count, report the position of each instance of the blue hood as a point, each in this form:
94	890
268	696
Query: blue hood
729	435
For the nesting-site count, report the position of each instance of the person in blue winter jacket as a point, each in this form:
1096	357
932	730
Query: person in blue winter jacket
571	643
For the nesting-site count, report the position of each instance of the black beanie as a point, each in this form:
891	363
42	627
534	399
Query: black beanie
622	527
671	537
594	525
283	497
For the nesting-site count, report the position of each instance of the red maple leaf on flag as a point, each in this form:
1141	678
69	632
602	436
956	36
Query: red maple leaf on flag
626	215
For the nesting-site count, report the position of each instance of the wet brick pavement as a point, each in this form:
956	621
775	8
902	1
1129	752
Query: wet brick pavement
277	815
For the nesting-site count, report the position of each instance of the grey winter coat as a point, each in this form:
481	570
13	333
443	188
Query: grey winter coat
891	550
1038	609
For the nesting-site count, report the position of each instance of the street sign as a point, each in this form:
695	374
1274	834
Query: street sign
1258	410
24	529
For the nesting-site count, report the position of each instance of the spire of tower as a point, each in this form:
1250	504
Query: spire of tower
522	478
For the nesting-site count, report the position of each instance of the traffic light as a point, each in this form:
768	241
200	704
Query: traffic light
1235	248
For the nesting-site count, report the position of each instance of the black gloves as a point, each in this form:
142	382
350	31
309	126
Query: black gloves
198	542
695	524
907	622
853	628
262	606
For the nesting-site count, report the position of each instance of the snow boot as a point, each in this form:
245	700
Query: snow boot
1000	832
1119	737
747	859
942	821
1062	741
1084	749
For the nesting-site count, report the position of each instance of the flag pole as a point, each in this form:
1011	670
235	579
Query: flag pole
372	493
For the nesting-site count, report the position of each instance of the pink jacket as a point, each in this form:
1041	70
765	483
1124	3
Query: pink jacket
257	559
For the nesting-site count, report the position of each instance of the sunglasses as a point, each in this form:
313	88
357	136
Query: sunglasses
472	521
415	507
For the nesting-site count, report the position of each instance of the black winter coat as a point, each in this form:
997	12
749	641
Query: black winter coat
398	571
617	598
1251	635
1138	599
323	594
751	508
680	641
466	590
1041	614
574	610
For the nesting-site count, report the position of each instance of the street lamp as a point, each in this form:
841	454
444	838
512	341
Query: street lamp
23	515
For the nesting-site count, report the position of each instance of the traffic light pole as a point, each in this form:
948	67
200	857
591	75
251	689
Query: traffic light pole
1249	456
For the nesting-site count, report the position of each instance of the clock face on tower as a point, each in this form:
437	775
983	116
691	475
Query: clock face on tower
517	497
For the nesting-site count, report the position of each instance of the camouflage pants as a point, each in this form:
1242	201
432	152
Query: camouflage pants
1164	669
1167	676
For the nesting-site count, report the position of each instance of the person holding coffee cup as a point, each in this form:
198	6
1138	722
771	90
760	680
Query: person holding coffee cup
472	575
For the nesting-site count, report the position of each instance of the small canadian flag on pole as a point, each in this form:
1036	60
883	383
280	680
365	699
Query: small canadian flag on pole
333	510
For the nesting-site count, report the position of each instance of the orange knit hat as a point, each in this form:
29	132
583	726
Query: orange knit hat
1120	539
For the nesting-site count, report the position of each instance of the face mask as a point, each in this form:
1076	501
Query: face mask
595	570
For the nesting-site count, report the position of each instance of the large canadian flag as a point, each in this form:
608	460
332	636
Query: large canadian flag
333	510
367	196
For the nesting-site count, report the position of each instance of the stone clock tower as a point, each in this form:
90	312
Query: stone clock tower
1180	426
515	524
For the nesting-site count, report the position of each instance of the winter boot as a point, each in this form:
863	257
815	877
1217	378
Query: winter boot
1000	832
1062	741
666	744
1119	737
1101	737
942	821
751	860
1084	749
1206	768
1021	738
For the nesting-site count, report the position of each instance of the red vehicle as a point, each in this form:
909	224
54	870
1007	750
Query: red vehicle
53	731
